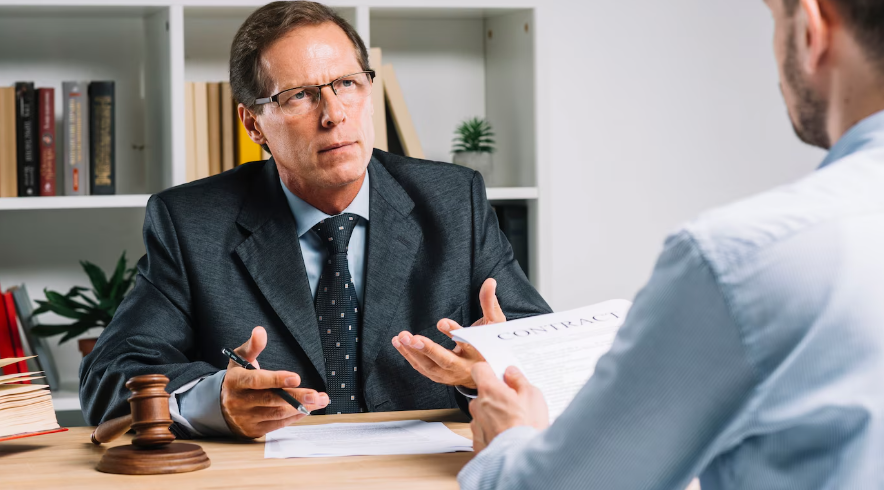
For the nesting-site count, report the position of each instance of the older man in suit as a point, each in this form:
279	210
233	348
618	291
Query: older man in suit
331	247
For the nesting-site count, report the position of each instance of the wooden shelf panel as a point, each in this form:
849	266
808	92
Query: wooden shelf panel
74	202
140	200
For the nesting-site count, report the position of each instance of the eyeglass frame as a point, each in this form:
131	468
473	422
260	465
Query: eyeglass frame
275	97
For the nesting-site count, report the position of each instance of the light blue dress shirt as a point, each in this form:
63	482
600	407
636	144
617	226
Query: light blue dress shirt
754	357
197	405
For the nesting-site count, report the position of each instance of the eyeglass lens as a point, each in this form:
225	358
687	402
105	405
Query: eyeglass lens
350	89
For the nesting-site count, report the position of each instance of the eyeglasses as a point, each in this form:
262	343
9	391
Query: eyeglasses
349	89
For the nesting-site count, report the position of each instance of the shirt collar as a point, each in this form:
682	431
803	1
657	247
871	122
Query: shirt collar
306	216
868	133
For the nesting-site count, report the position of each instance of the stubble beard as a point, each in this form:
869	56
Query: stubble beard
810	110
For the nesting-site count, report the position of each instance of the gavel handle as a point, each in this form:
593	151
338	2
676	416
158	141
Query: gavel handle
111	429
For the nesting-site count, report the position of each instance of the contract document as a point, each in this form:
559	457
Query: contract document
365	439
557	352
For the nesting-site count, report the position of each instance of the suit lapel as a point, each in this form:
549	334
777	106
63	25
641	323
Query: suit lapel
394	238
272	255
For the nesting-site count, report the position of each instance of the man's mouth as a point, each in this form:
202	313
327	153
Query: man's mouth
336	146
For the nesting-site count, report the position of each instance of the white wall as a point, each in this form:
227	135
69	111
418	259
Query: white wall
675	108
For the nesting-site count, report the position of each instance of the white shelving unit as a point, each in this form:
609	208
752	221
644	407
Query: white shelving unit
454	60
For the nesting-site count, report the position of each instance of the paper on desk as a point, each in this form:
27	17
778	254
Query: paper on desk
365	439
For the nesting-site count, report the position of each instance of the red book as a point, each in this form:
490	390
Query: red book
17	346
46	113
6	349
30	434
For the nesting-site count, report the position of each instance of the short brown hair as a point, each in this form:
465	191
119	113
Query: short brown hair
261	29
865	18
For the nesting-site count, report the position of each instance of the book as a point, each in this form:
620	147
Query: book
76	139
189	134
46	119
401	118
379	118
513	220
6	348
26	140
102	138
25	409
556	352
18	349
228	128
201	128
8	158
246	149
37	345
213	106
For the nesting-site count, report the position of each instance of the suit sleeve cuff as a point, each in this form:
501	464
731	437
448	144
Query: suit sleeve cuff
467	392
199	407
485	470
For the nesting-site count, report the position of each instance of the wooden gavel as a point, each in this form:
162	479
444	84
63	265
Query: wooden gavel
152	450
150	414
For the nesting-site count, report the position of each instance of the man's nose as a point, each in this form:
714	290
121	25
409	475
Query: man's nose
332	109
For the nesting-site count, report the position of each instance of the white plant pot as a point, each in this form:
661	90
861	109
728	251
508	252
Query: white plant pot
478	161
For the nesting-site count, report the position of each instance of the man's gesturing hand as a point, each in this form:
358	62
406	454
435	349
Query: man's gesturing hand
249	407
450	367
502	406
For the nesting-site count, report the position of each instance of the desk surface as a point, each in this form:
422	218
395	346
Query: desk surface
68	459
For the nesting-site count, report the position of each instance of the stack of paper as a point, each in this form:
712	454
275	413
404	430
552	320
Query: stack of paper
366	439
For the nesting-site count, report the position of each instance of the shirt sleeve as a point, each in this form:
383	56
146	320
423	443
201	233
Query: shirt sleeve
654	412
197	407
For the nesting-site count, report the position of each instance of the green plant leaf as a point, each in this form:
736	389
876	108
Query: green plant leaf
97	278
116	281
59	309
65	301
49	330
74	332
92	303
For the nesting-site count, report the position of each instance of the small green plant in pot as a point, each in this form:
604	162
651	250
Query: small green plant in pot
88	310
473	146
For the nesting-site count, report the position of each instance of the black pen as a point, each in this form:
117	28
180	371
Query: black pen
279	391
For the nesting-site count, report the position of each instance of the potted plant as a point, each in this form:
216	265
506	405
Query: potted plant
473	146
88	312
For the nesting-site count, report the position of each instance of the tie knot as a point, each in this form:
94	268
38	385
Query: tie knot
335	231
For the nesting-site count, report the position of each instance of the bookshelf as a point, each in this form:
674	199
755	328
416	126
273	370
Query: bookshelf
454	60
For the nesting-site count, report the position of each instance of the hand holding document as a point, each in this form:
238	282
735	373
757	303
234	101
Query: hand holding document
556	352
365	439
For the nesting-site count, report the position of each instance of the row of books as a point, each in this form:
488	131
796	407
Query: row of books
16	326
28	143
215	139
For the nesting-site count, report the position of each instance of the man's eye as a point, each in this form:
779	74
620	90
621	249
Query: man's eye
299	95
347	83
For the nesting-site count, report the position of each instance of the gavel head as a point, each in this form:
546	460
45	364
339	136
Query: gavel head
150	410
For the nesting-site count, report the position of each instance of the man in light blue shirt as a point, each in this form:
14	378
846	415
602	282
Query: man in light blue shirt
754	357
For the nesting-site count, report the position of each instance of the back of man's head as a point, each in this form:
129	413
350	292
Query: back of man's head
864	19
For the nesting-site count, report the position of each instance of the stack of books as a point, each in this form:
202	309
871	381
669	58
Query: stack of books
28	143
25	409
215	138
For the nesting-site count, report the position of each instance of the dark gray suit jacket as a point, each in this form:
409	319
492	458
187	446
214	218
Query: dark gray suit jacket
223	256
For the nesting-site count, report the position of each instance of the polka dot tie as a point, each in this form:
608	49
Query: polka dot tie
340	320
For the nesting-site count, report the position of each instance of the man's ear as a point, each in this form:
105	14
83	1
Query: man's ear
814	31
250	122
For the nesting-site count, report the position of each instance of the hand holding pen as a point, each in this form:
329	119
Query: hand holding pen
254	401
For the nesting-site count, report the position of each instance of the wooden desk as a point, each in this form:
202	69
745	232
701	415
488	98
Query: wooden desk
67	460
